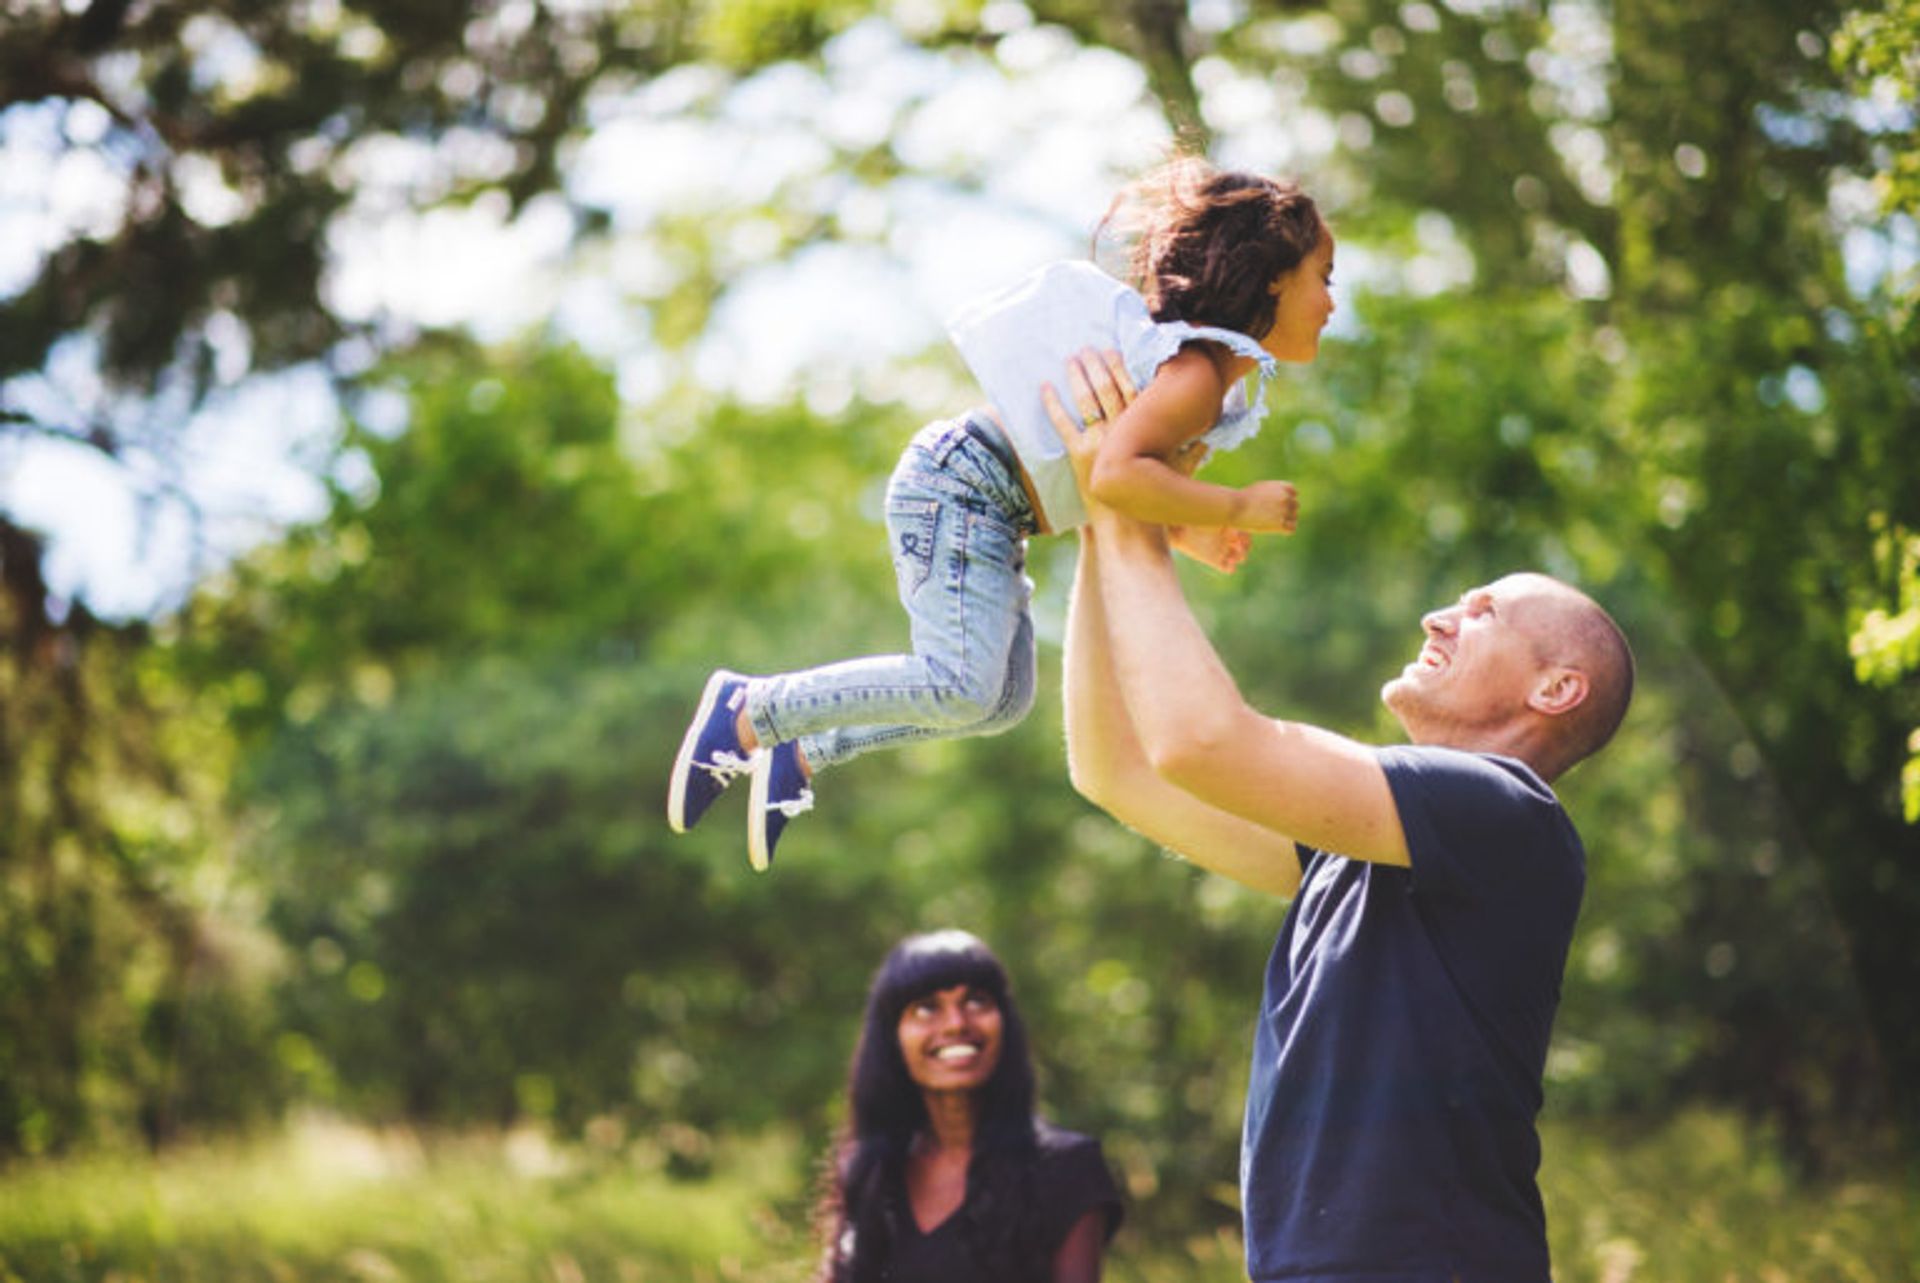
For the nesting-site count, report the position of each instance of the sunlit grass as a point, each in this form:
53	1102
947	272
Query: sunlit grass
1697	1200
1701	1198
338	1203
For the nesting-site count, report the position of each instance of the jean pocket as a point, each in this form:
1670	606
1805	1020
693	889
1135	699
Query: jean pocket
912	525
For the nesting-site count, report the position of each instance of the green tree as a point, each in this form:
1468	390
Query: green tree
133	987
1623	346
1875	49
227	136
457	694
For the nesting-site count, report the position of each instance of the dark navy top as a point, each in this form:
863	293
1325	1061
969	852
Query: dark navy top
1397	1065
1069	1179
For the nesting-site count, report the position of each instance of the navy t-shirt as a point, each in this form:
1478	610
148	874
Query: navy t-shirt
1397	1065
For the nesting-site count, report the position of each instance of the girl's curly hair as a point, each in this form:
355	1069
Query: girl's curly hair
1205	244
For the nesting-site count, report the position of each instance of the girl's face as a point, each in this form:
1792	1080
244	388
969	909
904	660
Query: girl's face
1303	303
950	1038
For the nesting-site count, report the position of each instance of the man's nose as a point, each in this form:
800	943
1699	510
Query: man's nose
1438	621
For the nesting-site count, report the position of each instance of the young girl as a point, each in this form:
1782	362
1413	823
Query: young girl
1235	271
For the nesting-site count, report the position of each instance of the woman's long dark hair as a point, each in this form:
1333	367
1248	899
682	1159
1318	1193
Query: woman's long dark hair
861	1208
1205	245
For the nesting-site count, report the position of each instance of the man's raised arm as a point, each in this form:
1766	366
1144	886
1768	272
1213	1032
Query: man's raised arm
1189	722
1109	768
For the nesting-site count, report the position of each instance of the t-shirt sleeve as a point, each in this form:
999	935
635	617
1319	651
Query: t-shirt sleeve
1482	828
1074	1180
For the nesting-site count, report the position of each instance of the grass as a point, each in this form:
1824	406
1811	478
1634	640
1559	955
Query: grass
1704	1199
1698	1200
330	1202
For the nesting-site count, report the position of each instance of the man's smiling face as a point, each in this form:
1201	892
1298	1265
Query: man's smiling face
1480	661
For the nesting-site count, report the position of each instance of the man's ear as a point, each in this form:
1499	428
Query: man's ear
1559	691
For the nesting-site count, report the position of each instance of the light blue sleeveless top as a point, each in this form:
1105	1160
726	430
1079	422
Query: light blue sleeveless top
1020	337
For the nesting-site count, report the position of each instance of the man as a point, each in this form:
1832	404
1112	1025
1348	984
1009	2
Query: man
1390	1122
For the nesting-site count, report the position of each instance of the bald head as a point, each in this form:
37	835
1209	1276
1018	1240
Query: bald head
1572	631
1526	666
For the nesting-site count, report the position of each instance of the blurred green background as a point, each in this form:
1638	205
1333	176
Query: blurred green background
340	933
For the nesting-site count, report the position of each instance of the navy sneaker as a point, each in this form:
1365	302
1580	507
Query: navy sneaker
779	793
711	756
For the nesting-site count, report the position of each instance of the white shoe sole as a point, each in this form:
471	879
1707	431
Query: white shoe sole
683	761
757	854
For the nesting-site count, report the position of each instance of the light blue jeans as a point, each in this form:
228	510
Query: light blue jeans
957	520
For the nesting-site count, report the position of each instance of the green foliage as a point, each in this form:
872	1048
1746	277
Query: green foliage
754	32
1697	1201
500	518
1701	1197
460	693
121	941
1876	48
1886	643
430	729
232	130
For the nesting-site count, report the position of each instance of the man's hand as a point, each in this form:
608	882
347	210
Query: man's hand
1101	390
1101	385
1083	444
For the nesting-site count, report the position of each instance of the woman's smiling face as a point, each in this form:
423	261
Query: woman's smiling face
950	1039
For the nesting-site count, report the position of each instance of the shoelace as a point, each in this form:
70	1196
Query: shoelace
793	806
725	766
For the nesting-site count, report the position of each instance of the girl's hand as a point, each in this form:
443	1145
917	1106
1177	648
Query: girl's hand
1268	507
1220	547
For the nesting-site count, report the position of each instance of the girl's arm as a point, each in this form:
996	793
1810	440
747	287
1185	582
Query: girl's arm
1220	547
1132	474
1077	1260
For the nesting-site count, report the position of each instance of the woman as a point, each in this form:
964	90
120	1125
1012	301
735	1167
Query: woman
944	1175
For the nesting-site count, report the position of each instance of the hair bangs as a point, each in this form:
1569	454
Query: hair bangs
929	963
